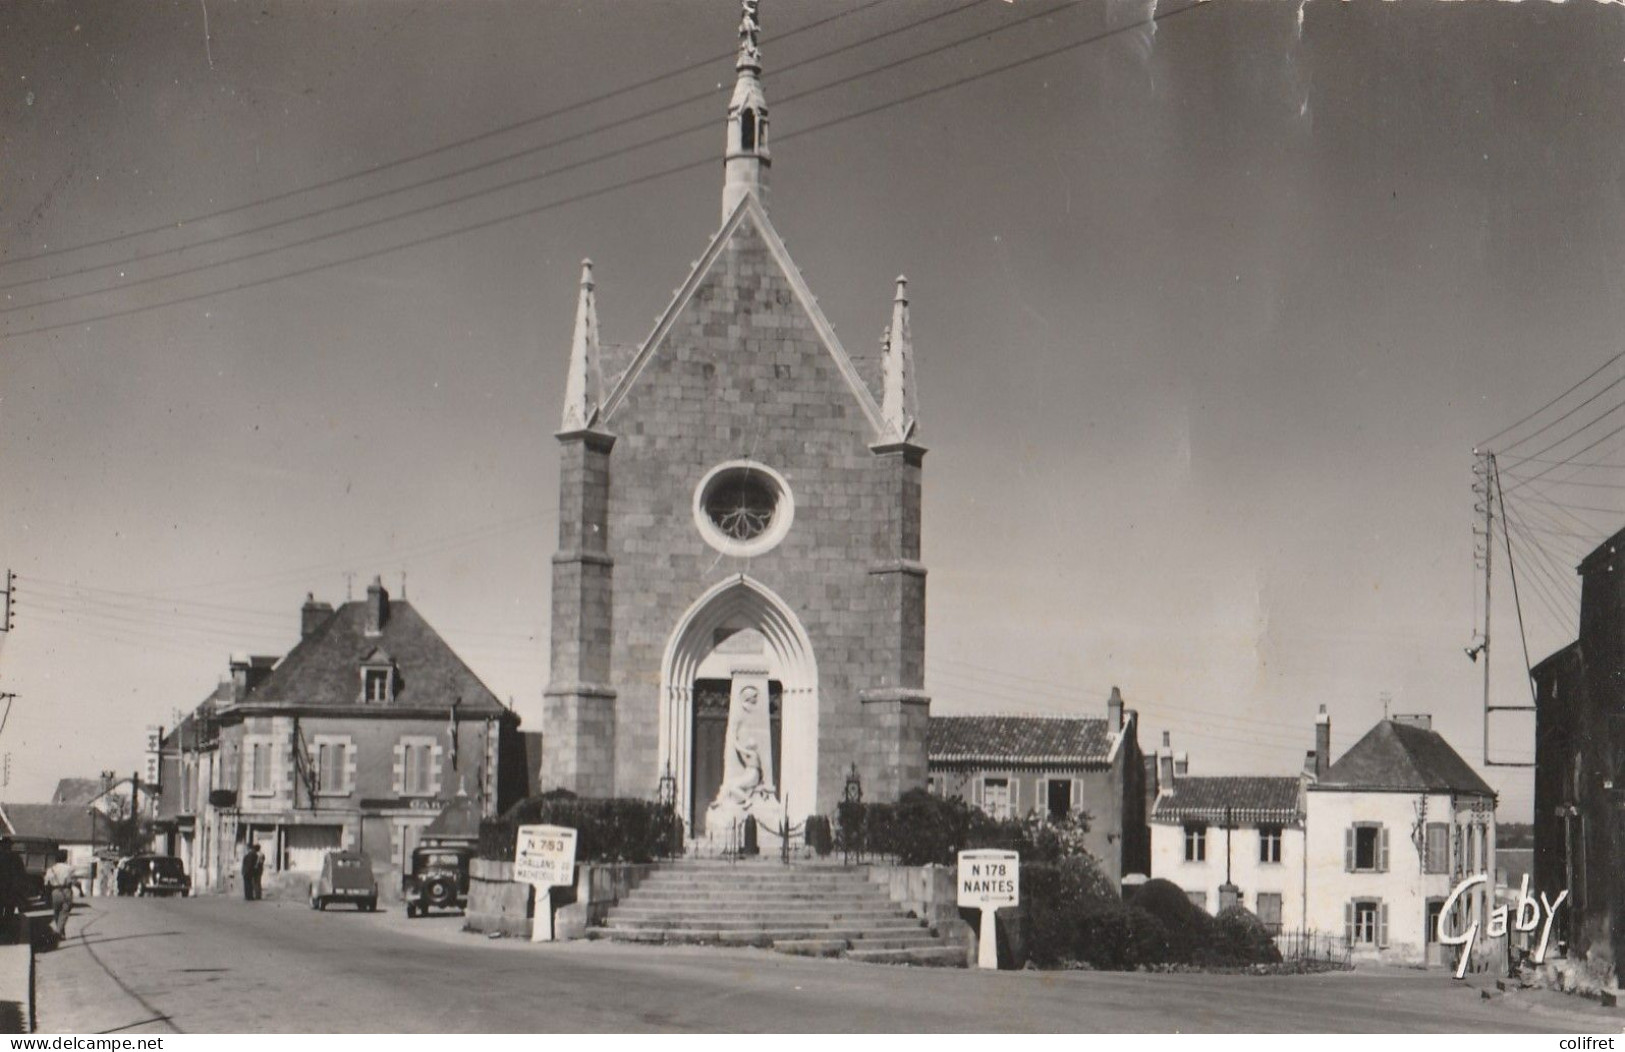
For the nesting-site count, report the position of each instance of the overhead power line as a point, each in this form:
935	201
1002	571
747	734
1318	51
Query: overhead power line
1524	420
436	151
610	188
340	206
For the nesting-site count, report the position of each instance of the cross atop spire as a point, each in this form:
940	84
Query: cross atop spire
745	159
750	52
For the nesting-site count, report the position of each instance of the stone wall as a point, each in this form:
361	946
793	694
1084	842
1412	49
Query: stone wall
496	905
931	894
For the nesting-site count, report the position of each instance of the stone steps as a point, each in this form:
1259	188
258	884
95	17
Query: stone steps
816	910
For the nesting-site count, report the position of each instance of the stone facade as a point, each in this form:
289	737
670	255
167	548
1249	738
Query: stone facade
742	369
742	373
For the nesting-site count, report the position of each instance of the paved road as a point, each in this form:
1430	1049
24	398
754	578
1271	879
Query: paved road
223	965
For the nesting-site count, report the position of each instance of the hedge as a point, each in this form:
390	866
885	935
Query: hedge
617	829
921	829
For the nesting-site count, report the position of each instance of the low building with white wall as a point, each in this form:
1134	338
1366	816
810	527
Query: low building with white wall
1392	827
1232	840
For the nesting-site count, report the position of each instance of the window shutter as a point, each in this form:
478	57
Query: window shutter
1015	797
1077	793
436	762
1382	850
1382	922
1348	922
349	765
398	770
1348	860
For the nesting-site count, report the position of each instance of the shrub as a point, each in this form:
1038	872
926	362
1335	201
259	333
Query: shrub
1113	936
1239	937
818	835
1061	899
920	829
616	829
1189	929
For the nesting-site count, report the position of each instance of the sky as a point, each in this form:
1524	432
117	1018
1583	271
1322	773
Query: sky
1209	314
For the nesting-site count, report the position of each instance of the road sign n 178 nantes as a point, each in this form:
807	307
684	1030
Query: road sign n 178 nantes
545	856
989	879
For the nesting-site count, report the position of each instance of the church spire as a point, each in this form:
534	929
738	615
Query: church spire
746	160
898	406
583	386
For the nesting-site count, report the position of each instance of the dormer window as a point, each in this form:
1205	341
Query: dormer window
378	679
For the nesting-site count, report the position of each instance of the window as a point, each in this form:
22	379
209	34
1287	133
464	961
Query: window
743	508
331	769
418	770
1196	843
259	770
1059	798
1365	848
376	681
1436	848
1366	922
1269	843
1269	910
1198	899
1435	907
996	797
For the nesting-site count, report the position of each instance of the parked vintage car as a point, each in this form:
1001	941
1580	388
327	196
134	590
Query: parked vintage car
346	877
151	875
37	853
438	880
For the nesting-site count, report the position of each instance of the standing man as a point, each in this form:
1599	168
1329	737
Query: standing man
251	872
59	882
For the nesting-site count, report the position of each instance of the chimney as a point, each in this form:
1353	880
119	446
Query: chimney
1165	764
377	607
1424	720
1182	764
1114	711
239	677
312	615
1323	743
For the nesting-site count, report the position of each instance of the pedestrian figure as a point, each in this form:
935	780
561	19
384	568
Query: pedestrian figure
253	865
59	881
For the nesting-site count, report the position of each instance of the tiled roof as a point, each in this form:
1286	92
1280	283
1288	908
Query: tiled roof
324	669
64	823
76	790
1247	799
1400	757
1018	739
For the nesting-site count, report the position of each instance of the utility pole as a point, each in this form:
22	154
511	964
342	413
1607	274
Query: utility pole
8	622
1483	479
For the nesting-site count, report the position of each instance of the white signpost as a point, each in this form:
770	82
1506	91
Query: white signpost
988	880
544	857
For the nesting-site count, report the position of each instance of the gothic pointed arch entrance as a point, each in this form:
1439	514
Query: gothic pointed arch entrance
739	628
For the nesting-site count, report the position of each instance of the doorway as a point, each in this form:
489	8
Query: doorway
711	698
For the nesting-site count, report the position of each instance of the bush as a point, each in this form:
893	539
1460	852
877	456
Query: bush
818	835
1189	929
616	829
1239	937
921	829
1061	898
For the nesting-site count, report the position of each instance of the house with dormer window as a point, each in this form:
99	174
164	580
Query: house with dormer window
356	739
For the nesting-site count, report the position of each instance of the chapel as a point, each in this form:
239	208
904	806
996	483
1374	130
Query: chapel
738	601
